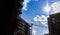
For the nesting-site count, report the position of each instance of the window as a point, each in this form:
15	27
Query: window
53	20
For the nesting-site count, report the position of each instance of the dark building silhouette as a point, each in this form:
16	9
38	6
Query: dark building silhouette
9	10
46	34
23	28
54	24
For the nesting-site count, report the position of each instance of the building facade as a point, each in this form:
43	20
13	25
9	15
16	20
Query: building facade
23	28
54	24
9	11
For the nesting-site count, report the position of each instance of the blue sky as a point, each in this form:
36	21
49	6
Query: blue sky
35	8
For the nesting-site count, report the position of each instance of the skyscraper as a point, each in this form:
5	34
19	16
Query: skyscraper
54	24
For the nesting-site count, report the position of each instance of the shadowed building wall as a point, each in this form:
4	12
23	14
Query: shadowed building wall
9	11
54	24
23	28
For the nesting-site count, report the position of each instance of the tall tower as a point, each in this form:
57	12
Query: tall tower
54	24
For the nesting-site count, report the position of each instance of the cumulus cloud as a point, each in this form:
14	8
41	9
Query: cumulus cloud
33	32
42	19
55	7
25	4
37	18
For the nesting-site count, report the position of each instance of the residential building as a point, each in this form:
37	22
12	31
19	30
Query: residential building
23	28
54	24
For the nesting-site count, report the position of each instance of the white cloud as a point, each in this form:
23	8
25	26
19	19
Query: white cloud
37	18
25	4
33	32
42	19
46	32
56	7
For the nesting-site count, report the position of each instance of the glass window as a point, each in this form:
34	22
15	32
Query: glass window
53	20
